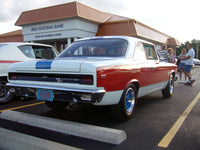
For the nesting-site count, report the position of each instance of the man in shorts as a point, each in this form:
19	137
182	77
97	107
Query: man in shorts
189	63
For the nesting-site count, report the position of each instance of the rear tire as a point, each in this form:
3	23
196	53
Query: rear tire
5	94
127	104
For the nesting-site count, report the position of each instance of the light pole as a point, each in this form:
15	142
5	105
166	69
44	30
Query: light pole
197	50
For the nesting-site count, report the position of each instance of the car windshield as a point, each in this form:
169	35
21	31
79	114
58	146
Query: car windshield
96	48
39	52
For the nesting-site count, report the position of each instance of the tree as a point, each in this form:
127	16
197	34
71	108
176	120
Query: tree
195	44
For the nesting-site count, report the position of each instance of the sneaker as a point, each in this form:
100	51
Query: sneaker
188	83
184	82
192	81
180	81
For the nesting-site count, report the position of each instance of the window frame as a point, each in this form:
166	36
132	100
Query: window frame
151	54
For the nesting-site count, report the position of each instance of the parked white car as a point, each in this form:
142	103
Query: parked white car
17	52
196	61
109	70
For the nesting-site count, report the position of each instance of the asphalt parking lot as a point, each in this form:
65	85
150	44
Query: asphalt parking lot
158	123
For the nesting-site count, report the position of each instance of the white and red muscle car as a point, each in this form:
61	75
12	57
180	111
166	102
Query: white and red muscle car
111	70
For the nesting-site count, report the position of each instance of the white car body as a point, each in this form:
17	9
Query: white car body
10	53
14	52
196	61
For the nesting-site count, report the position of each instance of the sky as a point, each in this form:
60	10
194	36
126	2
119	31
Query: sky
176	18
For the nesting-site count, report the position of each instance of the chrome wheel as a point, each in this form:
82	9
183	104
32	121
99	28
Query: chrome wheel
127	105
129	100
171	85
168	91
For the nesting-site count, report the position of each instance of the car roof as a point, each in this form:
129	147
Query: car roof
120	37
24	43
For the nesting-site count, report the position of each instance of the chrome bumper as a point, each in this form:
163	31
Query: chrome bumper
60	94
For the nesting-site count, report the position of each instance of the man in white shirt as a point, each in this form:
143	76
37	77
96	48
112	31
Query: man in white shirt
189	63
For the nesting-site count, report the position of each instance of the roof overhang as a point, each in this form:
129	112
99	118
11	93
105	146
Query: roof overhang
134	28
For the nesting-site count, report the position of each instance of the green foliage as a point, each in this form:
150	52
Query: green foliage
195	44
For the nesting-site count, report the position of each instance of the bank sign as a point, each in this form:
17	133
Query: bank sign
59	30
47	27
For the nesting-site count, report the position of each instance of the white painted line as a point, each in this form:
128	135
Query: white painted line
102	134
11	140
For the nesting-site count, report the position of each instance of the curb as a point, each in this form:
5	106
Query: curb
11	140
102	134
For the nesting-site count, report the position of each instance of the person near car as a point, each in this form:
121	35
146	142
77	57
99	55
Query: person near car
189	63
164	55
171	56
181	65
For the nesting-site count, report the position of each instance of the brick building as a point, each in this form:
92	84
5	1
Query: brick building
60	25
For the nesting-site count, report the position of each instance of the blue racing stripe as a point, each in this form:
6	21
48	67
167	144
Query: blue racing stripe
46	64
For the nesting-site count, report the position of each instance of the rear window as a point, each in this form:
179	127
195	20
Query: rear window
96	48
38	52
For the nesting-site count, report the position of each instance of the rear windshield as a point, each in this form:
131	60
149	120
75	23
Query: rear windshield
96	48
39	52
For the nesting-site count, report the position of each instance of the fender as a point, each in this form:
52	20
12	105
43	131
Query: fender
134	81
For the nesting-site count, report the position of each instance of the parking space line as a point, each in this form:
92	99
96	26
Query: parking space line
24	106
172	132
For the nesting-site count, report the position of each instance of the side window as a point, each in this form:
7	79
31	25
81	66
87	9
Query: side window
27	51
39	52
150	52
139	52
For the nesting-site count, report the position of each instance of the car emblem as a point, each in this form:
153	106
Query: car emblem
44	77
59	80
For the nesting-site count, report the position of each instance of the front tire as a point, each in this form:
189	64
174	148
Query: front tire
168	91
127	104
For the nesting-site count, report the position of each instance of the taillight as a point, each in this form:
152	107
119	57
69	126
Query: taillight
88	79
13	76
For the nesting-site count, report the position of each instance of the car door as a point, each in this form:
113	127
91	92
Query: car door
158	72
148	68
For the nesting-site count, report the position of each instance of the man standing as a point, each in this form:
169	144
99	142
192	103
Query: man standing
189	63
164	55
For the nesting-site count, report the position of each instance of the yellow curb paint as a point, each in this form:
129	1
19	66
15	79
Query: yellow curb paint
24	106
172	132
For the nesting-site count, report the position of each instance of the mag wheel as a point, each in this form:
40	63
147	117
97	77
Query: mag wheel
127	104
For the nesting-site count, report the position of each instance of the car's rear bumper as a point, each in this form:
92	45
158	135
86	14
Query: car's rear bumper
59	94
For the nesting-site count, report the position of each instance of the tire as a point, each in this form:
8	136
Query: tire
168	91
57	106
5	94
127	104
